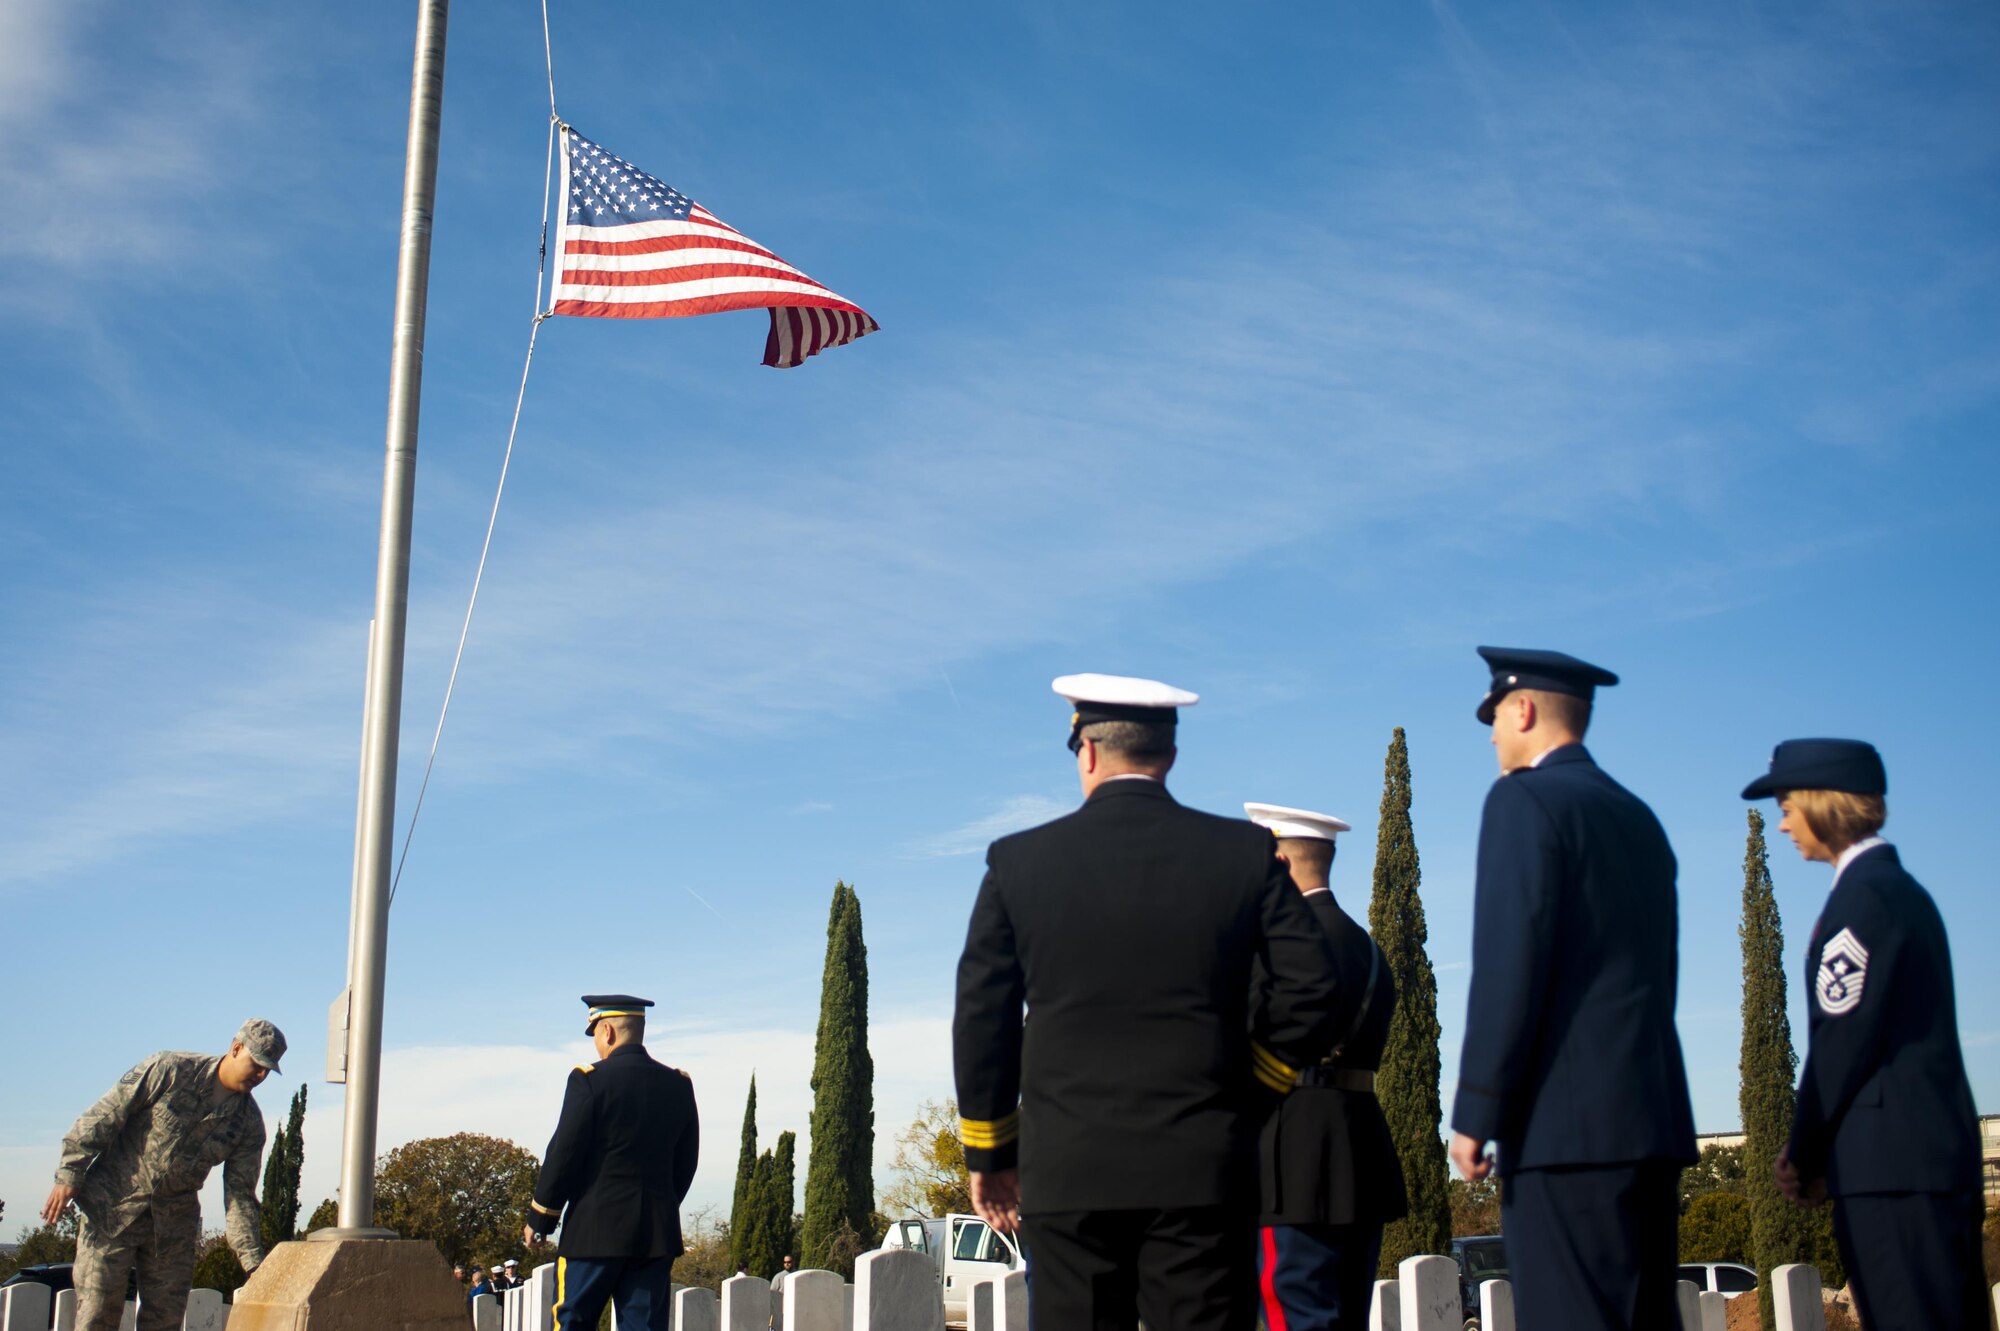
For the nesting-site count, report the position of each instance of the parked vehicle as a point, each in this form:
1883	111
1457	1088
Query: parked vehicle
963	1248
56	1275
1727	1278
1480	1258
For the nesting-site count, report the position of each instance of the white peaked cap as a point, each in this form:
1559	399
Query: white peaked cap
1297	824
1122	691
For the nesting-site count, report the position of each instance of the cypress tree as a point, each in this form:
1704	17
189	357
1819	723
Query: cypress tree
746	1171
840	1179
1408	1080
778	1195
287	1156
1766	1072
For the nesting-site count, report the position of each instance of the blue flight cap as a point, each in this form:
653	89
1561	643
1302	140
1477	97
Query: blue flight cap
613	1005
1851	765
1527	668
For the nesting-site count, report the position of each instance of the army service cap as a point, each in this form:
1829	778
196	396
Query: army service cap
1851	765
1095	698
1530	668
613	1005
265	1042
1288	824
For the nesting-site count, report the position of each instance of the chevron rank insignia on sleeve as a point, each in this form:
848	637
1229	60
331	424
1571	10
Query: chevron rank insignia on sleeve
1843	968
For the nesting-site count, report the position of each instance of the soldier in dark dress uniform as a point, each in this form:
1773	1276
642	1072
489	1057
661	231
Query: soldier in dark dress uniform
1330	1176
1572	1065
614	1175
1885	1123
1117	1125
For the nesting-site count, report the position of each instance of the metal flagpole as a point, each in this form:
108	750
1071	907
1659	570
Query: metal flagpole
384	693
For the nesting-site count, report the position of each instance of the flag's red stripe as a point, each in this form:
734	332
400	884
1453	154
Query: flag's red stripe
1274	1308
663	244
674	309
694	272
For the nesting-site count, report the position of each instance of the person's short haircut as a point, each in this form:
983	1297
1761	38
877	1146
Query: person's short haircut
628	1028
1312	854
1563	709
1141	741
1838	818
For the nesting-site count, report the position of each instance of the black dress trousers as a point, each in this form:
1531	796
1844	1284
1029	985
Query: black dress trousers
1914	1260
1182	1269
1594	1247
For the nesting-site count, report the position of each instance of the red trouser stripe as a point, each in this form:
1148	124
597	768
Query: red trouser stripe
1267	1279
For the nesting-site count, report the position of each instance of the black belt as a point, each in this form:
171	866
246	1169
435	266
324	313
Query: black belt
1337	1079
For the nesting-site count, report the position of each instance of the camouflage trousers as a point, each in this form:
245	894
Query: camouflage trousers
157	1237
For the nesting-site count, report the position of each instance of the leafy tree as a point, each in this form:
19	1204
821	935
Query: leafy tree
42	1244
216	1266
1475	1206
1716	1228
706	1261
1720	1169
840	1181
1766	1069
281	1178
465	1193
930	1164
746	1170
325	1216
1408	1080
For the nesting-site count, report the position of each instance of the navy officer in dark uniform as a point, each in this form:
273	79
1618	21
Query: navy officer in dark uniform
1330	1178
1117	1125
614	1175
1572	1065
1884	1122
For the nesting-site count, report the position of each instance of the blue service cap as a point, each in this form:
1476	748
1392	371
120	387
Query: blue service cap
1851	765
1529	668
613	1005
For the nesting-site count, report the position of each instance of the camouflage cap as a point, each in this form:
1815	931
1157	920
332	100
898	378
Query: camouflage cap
265	1042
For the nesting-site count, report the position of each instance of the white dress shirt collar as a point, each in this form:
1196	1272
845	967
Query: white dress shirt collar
1853	853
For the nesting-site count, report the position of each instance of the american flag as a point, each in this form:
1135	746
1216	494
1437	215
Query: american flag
637	248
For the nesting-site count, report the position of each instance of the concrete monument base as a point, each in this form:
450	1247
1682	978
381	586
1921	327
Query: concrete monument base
351	1285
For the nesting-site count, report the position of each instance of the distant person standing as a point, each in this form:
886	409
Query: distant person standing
1571	1064
134	1165
481	1284
620	1163
1117	1127
1885	1123
1329	1175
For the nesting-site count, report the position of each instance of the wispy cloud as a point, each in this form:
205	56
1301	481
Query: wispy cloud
1013	815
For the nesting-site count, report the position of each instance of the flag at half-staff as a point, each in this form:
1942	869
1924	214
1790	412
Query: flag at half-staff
634	247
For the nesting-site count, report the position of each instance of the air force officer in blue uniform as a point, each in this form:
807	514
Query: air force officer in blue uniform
1572	1066
1884	1123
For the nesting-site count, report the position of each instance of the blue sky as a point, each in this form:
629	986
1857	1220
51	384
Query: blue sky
1284	355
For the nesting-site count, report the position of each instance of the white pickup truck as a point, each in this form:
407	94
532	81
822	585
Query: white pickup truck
965	1251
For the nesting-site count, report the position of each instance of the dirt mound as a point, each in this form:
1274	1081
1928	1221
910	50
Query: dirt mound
1743	1315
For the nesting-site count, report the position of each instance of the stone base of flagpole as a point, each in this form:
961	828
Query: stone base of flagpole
351	1284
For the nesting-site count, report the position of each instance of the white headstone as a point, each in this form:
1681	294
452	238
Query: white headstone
1496	1306
204	1311
539	1301
846	1308
695	1310
1996	1301
896	1289
1385	1313
25	1307
1687	1305
1427	1289
815	1301
998	1303
66	1311
746	1304
1795	1292
1715	1310
129	1320
485	1313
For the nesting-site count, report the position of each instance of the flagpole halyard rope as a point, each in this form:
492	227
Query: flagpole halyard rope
506	460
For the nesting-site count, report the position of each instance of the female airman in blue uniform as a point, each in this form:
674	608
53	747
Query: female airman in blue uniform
1885	1124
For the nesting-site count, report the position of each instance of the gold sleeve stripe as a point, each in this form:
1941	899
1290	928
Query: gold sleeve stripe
543	1209
985	1135
1282	1085
1267	1062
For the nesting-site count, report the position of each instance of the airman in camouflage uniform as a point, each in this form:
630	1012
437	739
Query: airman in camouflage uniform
134	1165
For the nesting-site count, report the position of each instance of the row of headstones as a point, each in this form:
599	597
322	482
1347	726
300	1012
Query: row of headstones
894	1290
28	1307
1425	1297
